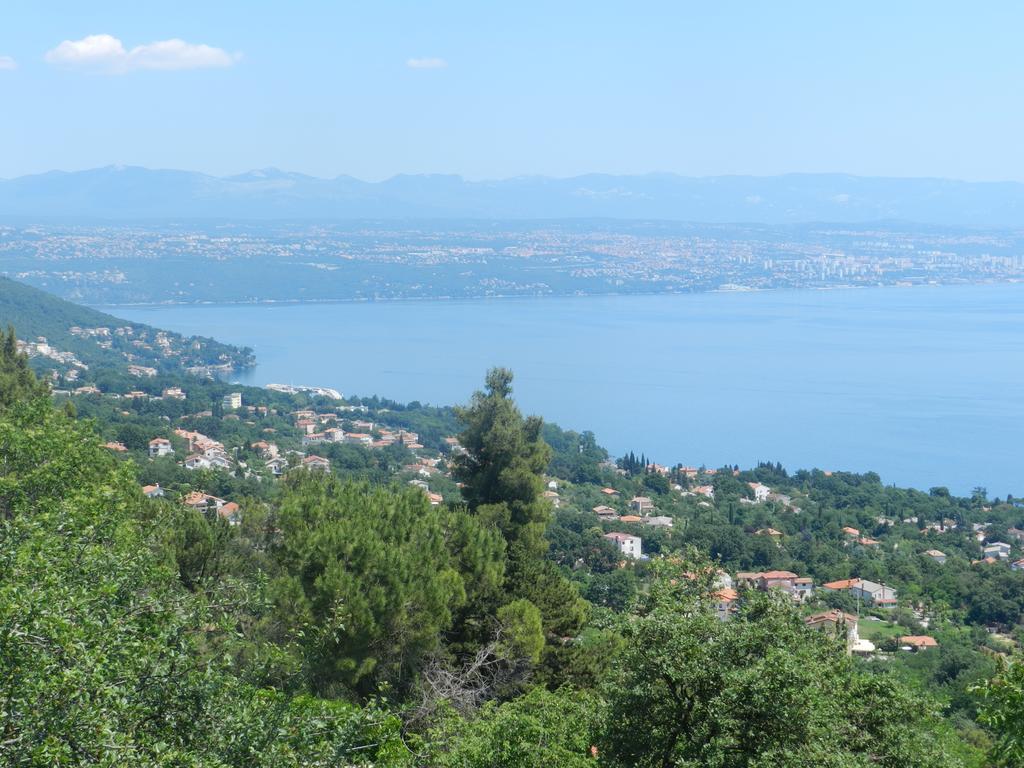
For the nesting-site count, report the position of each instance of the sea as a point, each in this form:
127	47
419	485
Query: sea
924	385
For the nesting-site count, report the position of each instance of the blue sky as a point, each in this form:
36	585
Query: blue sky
505	89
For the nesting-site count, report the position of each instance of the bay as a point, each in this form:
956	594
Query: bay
922	384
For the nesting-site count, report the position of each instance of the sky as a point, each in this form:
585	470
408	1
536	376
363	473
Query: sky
493	90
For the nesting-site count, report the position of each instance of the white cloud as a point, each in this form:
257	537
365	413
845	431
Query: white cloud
427	63
8	62
105	53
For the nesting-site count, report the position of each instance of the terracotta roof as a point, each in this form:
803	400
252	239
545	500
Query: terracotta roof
842	584
832	615
619	536
778	575
919	641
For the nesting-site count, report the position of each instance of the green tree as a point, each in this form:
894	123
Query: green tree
17	382
760	690
1002	710
376	565
503	464
542	728
103	654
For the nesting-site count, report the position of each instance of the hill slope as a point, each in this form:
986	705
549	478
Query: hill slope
64	336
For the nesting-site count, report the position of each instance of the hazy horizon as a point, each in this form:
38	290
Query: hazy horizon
269	169
876	90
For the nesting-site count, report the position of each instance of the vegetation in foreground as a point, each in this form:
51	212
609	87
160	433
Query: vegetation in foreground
347	624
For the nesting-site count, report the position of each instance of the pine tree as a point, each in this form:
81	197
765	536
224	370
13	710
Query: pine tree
17	382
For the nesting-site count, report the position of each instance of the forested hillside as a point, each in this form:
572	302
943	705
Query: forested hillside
341	621
83	342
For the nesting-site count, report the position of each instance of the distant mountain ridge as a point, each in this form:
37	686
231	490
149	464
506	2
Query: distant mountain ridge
125	193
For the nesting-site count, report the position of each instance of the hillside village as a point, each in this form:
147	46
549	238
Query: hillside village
256	438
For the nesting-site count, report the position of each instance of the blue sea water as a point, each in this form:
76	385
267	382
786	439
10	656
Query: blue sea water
924	385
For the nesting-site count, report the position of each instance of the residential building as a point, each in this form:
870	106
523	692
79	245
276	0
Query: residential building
230	512
776	580
160	446
232	401
153	491
917	642
936	555
626	544
658	521
725	603
641	505
605	512
197	461
203	502
761	492
317	463
839	624
707	491
874	594
277	465
997	549
803	589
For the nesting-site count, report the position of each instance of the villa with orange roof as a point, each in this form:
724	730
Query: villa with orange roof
918	642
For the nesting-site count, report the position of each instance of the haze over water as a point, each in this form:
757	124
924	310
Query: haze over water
922	385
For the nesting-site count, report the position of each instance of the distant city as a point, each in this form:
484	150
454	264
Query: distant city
168	263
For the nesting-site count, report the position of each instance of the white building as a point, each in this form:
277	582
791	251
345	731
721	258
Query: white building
875	594
937	556
628	545
803	589
641	505
153	491
997	549
232	401
160	446
760	492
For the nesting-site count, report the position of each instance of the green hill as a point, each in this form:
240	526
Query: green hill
62	336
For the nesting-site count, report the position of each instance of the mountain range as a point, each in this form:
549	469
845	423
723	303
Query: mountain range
126	192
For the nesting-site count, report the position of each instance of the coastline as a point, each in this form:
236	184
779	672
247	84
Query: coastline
540	296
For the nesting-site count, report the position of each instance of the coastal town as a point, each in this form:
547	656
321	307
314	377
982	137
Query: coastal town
278	263
857	608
